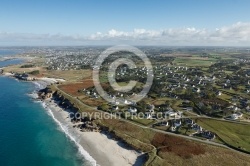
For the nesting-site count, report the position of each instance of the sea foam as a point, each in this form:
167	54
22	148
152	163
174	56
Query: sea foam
82	151
64	129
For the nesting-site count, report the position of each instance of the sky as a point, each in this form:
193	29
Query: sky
134	22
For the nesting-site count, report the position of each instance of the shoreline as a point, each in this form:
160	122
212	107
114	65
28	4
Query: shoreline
98	148
65	129
95	146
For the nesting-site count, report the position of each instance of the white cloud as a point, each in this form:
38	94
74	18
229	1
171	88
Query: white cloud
237	34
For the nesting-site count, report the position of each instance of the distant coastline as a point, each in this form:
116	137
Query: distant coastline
6	58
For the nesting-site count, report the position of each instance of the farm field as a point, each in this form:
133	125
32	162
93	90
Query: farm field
235	134
194	61
72	88
69	75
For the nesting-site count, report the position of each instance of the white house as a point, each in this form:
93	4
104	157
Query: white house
219	93
234	116
148	115
132	110
115	107
170	113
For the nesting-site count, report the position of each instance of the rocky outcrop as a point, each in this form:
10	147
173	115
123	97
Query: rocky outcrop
84	124
45	93
88	126
24	77
64	102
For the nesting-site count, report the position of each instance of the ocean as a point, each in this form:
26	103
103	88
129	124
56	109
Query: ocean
6	52
29	135
10	62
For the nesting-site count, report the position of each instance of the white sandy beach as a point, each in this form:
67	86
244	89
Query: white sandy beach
105	151
50	80
45	81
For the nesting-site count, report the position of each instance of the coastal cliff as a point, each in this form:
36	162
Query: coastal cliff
85	124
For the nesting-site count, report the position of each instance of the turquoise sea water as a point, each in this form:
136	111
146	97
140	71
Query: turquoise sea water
28	135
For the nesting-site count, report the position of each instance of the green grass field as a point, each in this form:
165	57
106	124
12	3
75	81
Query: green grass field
225	97
190	61
237	135
145	122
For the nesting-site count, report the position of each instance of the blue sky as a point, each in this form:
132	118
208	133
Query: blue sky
123	21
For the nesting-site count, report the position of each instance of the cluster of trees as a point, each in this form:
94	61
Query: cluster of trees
27	66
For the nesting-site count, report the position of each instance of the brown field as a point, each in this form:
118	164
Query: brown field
69	75
177	145
72	88
16	68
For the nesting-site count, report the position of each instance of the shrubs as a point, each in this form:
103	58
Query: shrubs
177	145
35	72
